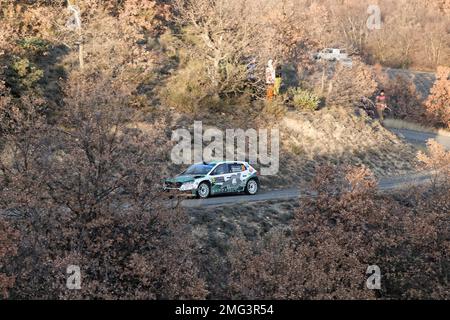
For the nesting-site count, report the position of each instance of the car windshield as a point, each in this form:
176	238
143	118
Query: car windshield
199	169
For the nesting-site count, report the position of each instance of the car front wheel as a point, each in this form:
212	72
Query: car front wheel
203	190
252	187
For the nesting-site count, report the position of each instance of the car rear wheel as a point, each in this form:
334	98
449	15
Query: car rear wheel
252	187
203	190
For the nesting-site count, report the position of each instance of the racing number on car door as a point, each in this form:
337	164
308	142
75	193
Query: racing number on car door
237	176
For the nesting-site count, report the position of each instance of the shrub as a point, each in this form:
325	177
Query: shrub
337	234
403	99
188	89
438	103
318	260
23	74
437	160
348	85
34	45
8	248
86	193
304	99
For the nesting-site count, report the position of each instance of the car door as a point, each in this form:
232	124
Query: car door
218	178
238	176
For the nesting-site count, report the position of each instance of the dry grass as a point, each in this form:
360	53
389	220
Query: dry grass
337	136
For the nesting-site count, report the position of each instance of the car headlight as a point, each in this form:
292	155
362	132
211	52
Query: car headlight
188	186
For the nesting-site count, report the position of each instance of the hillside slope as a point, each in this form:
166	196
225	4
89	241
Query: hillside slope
337	136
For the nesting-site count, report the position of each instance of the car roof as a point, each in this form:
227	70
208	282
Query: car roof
214	163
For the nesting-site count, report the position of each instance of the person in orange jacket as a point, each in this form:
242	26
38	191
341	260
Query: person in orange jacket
270	80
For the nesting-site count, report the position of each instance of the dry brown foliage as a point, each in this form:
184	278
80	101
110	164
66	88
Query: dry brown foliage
84	189
437	160
403	99
328	252
336	235
8	248
87	192
438	103
347	86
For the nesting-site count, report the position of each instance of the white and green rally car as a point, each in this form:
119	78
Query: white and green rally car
206	179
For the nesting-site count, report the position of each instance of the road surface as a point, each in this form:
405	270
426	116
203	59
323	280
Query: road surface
423	80
421	138
385	184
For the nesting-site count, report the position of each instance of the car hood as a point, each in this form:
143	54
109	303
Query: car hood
184	178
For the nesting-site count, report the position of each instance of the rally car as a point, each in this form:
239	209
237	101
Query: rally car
212	178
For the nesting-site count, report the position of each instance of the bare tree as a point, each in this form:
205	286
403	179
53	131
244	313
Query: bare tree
221	35
8	248
229	35
87	193
75	24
